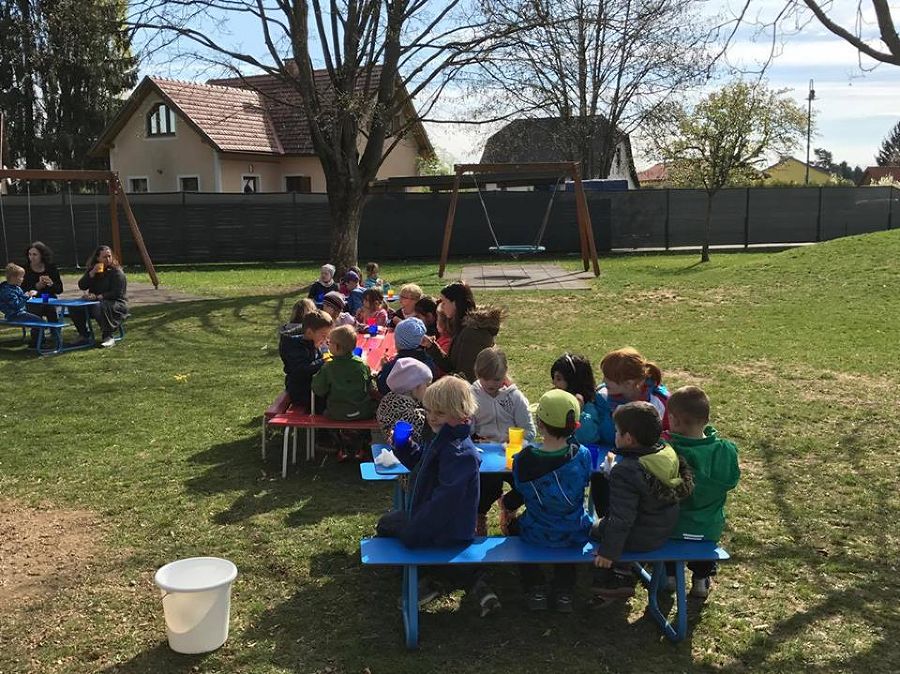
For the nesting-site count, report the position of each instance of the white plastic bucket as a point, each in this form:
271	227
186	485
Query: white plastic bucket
196	596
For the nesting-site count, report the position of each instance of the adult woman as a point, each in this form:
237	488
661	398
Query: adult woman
474	329
41	276
105	282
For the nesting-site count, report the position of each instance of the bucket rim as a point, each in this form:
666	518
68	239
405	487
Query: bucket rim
228	565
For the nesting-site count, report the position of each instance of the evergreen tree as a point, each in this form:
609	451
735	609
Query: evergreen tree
889	154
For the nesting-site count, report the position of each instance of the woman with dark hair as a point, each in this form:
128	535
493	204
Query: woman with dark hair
474	329
105	282
41	276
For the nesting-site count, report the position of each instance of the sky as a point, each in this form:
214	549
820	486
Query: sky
857	100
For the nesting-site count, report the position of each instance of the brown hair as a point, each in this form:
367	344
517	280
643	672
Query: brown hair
316	320
344	338
627	364
372	269
92	260
300	309
490	363
375	295
443	324
691	404
43	249
641	420
426	305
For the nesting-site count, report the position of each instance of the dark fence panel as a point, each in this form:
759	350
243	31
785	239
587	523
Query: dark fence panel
197	228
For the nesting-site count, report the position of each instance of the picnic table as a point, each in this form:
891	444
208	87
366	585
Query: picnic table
376	347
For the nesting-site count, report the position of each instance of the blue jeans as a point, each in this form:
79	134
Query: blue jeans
24	317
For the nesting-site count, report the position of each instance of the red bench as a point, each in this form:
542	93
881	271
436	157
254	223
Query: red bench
279	405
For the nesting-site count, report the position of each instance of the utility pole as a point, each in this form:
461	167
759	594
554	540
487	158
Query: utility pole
810	98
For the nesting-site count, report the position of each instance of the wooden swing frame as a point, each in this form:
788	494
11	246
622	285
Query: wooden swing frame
117	197
567	169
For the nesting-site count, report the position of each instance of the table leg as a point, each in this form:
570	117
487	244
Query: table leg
284	451
411	606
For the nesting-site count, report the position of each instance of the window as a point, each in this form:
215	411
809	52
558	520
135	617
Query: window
297	184
249	184
160	121
189	183
138	185
396	125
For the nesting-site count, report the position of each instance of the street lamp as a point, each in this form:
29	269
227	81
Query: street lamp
810	98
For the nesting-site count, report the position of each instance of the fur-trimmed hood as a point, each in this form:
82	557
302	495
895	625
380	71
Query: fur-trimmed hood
485	318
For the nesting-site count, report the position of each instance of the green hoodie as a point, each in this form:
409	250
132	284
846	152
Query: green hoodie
716	472
346	384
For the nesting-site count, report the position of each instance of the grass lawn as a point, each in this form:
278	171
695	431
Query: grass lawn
116	462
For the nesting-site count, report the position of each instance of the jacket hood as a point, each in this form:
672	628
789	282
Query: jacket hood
485	318
663	465
721	470
504	392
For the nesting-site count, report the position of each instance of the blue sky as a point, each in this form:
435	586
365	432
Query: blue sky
857	101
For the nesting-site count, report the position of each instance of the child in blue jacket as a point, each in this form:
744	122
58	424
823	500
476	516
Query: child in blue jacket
12	299
444	486
550	482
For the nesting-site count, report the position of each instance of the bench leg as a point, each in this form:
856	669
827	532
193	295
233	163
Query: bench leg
263	448
411	606
311	446
653	583
284	451
294	446
398	496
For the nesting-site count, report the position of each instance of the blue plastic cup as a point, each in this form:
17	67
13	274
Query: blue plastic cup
373	330
402	432
358	351
45	298
595	454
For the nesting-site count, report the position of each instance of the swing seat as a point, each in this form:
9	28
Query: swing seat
517	249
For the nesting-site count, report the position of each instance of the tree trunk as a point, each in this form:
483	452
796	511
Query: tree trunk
346	206
704	254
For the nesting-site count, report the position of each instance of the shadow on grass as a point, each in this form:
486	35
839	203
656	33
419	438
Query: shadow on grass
160	658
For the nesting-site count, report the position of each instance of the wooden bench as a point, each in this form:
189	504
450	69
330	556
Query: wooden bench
54	328
279	405
513	550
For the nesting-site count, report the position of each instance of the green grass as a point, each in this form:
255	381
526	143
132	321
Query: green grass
159	437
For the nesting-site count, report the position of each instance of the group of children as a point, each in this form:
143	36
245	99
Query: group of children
668	476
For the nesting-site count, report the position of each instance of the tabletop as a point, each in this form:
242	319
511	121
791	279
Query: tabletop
63	302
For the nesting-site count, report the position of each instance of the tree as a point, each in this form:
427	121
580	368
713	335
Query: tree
887	30
824	159
378	55
600	66
726	136
889	153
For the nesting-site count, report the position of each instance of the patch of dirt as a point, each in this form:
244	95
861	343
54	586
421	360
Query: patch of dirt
42	550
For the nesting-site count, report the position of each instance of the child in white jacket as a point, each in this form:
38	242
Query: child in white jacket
501	406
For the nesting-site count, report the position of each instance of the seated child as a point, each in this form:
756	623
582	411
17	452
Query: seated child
372	280
408	339
426	311
445	490
354	292
344	288
444	332
409	295
407	383
12	298
299	347
298	311
333	305
646	484
573	373
325	284
373	307
501	405
550	482
714	462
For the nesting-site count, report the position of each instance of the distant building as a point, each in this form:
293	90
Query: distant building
790	171
545	140
874	174
655	176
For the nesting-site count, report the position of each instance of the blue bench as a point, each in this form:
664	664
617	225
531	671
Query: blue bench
513	550
54	328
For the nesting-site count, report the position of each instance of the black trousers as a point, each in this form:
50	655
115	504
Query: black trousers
699	569
563	575
600	494
491	489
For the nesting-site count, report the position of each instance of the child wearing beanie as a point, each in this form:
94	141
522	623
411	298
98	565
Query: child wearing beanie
325	284
408	339
333	305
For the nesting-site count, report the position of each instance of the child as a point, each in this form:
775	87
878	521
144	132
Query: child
500	406
627	377
345	289
645	485
353	292
409	295
298	311
345	383
333	305
299	348
550	482
372	280
373	307
445	490
444	332
573	373
325	284
407	383
408	339
714	462
12	299
426	311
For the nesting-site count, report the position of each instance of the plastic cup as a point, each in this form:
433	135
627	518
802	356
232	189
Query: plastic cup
402	432
373	329
391	293
100	267
358	351
511	451
516	436
45	298
371	321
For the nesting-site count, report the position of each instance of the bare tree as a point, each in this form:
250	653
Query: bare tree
887	29
599	66
377	56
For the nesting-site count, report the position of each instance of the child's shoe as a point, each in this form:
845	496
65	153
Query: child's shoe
563	602
428	591
613	585
362	455
701	586
488	602
537	599
342	456
481	525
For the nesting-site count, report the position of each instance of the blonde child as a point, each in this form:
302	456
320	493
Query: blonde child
501	405
298	311
372	280
372	308
300	350
409	295
12	298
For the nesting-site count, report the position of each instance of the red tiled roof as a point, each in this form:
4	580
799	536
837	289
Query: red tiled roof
656	173
875	173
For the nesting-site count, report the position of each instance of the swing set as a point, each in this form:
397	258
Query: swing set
561	170
117	198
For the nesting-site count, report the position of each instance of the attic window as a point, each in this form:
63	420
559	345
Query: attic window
160	121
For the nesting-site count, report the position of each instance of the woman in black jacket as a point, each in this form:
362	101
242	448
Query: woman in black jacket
104	281
41	276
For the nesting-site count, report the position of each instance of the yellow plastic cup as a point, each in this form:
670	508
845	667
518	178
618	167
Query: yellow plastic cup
516	436
100	267
511	451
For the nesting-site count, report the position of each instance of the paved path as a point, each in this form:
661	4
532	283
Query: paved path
536	276
139	294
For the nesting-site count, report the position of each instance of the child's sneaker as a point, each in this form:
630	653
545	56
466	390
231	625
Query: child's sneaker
563	602
428	592
613	585
362	455
342	456
538	599
701	586
488	602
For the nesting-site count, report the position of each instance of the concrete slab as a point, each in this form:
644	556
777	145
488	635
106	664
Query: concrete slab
139	294
537	276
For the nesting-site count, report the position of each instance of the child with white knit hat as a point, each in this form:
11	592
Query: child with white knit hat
324	285
408	380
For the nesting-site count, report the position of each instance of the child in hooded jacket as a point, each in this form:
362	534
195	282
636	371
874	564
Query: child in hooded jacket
572	372
408	340
300	349
407	382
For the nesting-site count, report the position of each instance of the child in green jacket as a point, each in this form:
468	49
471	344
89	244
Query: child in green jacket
714	461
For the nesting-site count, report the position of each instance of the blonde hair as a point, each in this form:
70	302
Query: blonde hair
450	395
300	309
413	291
490	363
14	271
343	340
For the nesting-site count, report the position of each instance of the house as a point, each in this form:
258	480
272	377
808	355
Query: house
655	176
874	174
790	171
545	140
233	135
